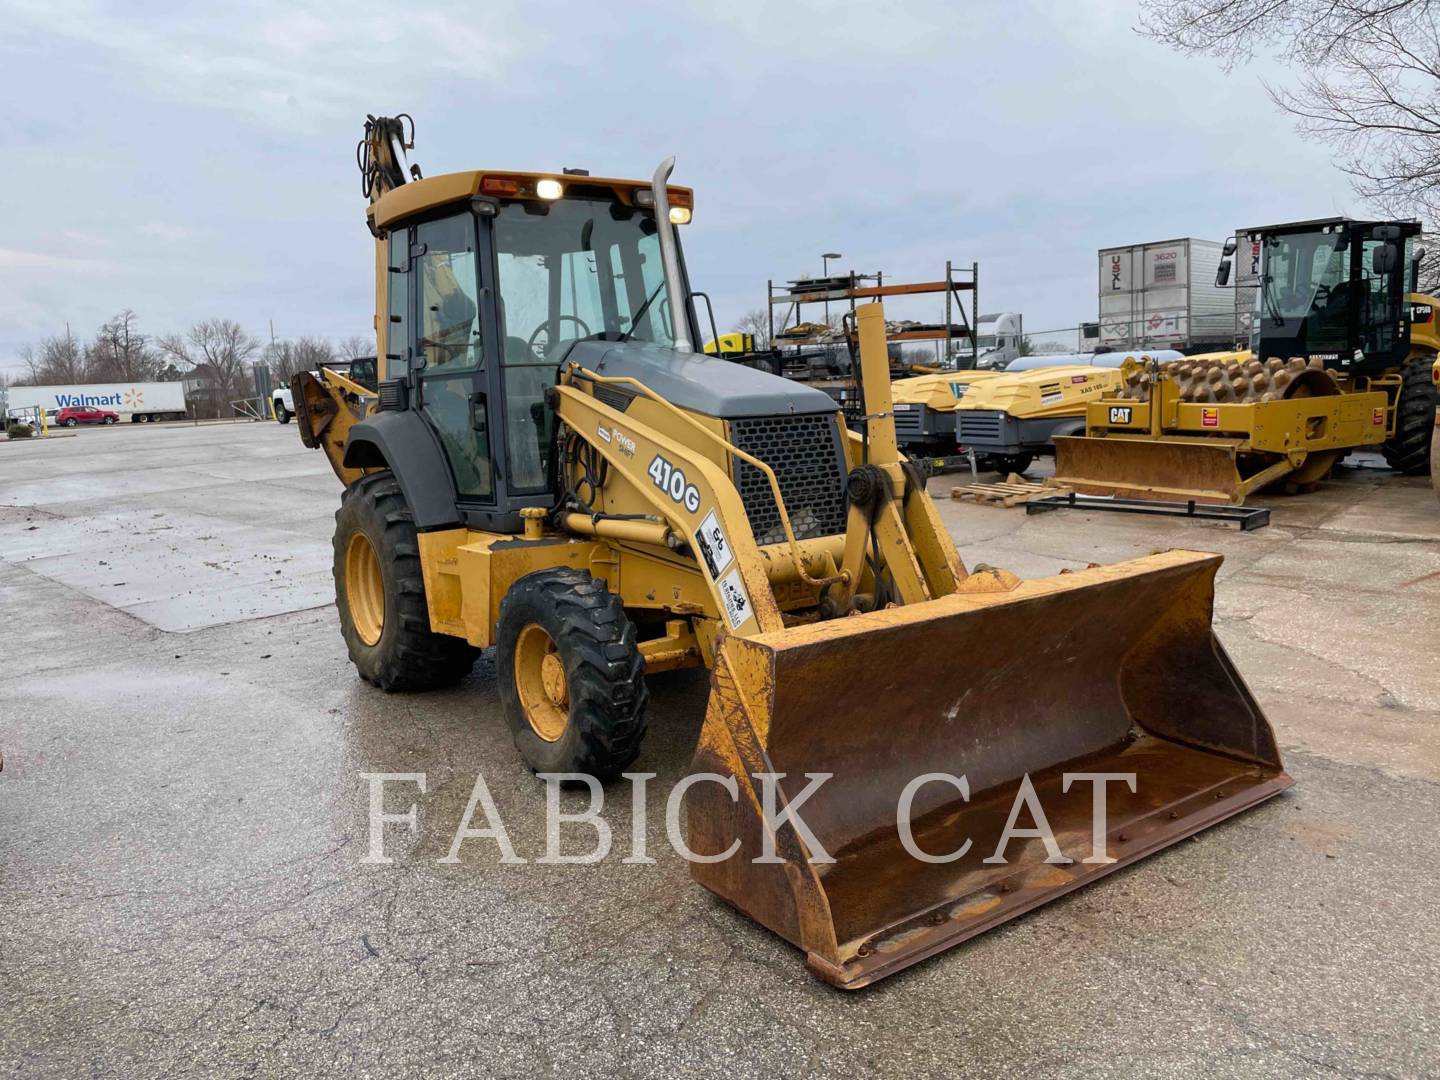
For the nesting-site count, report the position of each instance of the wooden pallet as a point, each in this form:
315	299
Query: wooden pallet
1014	491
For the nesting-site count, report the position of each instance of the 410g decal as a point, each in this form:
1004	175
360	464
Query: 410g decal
672	481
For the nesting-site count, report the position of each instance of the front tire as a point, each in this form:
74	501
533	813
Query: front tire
380	593
281	414
1408	450
108	421
570	674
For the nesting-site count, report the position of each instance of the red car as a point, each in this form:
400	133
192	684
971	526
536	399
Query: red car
85	414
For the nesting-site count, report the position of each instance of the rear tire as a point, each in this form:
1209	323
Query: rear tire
71	422
570	674
1408	450
380	593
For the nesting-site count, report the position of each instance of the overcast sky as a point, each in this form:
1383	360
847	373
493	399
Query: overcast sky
190	161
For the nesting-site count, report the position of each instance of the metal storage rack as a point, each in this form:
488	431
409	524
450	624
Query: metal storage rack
848	288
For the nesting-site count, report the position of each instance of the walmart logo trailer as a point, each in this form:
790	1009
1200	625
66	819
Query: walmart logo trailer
135	401
64	401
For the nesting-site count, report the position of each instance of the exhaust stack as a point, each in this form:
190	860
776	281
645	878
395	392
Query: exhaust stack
670	258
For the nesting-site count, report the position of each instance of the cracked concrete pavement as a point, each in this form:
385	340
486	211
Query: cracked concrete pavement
182	824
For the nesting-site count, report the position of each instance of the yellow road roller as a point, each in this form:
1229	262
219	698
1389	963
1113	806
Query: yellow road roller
1342	353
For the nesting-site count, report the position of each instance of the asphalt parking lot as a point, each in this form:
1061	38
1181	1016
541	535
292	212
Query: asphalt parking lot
183	821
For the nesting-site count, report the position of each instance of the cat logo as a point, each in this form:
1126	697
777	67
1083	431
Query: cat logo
1120	414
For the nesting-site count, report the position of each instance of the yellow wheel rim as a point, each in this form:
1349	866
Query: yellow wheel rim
364	588
540	680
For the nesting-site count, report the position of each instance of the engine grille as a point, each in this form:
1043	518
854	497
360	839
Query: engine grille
392	394
805	453
909	423
617	398
976	424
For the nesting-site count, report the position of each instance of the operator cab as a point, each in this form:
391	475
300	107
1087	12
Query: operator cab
490	288
1335	289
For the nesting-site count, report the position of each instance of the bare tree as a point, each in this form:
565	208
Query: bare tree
1369	82
219	351
286	359
59	360
120	353
351	347
757	324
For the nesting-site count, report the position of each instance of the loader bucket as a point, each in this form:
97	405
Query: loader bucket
1171	468
1107	670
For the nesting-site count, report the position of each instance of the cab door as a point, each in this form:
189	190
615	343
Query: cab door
436	294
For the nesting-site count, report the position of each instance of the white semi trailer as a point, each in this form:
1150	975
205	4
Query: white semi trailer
1163	296
138	402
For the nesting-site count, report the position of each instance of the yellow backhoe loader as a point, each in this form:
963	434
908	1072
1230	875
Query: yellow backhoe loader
1341	359
552	469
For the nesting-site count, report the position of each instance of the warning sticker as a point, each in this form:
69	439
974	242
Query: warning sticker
1377	417
1209	417
1051	398
1077	379
713	546
737	604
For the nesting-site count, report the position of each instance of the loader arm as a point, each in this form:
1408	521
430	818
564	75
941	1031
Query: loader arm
658	467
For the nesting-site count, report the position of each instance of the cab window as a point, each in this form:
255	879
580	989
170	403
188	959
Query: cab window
449	311
574	268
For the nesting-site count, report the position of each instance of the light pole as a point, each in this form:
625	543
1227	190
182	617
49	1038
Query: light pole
825	273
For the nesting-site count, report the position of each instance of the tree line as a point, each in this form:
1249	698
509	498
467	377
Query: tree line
218	351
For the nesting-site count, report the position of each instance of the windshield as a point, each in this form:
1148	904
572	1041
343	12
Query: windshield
985	341
568	269
1305	288
574	268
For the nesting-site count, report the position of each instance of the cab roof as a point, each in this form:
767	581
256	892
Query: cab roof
418	196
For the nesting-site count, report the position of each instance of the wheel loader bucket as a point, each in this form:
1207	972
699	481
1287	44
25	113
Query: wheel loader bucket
1172	468
1107	670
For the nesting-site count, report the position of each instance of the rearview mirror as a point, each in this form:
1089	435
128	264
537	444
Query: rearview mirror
1222	272
1385	232
1229	248
1384	259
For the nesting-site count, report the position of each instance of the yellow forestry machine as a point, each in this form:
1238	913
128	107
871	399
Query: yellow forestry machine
1340	359
551	468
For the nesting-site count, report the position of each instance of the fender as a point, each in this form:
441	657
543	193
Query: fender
403	443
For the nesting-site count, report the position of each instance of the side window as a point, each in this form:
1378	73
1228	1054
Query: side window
449	311
397	330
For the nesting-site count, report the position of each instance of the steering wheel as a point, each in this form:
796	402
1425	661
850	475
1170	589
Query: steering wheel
1321	298
544	328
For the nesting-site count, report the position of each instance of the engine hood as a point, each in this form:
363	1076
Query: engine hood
699	383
